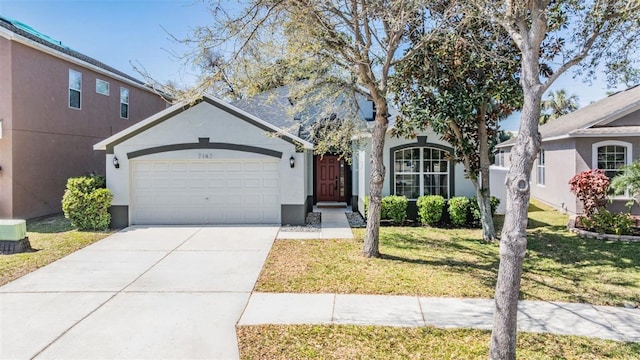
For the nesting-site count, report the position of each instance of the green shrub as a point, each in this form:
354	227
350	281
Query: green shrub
86	201
458	208
604	221
394	208
430	209
475	209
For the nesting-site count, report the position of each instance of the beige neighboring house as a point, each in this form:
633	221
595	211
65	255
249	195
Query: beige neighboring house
603	135
55	103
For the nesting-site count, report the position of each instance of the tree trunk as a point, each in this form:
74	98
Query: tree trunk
376	182
513	242
486	218
482	188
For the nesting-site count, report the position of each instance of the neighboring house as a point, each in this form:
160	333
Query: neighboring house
55	103
603	135
212	162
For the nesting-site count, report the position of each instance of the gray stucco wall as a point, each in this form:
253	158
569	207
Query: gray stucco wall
460	186
560	167
584	161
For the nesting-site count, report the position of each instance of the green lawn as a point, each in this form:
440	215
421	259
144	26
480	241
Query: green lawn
378	342
456	263
51	239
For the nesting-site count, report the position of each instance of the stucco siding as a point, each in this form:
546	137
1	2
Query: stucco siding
6	174
51	141
584	148
560	167
461	185
207	121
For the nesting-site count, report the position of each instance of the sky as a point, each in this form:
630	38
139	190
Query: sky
119	33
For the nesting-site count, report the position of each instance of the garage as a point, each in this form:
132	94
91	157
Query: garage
207	163
206	192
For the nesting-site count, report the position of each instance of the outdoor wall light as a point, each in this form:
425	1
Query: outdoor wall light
292	161
116	163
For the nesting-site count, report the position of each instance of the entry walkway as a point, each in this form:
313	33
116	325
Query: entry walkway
603	322
333	225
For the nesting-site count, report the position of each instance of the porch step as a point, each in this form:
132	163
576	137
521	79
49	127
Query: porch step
331	204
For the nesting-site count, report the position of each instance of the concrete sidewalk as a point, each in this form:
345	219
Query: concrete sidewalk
333	225
603	322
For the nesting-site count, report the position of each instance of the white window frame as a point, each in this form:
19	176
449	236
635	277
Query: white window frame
628	158
421	173
500	155
79	90
125	103
100	81
540	169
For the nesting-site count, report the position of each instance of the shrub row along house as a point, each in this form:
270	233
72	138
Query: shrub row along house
55	103
603	135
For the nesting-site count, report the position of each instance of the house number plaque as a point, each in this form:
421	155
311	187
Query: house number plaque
205	155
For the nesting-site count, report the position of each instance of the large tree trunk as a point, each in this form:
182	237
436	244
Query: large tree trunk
376	182
513	242
482	189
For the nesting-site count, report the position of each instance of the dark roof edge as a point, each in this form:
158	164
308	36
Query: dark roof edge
6	24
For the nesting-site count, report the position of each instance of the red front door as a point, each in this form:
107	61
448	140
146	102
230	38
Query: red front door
330	183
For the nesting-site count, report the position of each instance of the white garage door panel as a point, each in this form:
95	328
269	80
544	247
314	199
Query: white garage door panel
205	192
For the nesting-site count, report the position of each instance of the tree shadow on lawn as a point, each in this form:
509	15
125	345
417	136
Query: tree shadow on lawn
569	249
49	224
468	256
558	260
536	224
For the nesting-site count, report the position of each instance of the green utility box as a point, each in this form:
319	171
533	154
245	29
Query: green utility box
13	236
13	230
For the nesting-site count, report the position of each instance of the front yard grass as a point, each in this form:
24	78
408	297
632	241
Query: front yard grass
51	239
377	342
559	266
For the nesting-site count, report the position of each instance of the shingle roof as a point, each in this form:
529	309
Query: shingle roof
56	45
608	130
272	106
601	112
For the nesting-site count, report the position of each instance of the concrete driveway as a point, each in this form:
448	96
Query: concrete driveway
142	293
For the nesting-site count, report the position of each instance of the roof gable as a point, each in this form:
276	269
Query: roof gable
130	132
585	121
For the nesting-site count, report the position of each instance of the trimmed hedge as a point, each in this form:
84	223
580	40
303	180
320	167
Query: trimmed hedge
430	209
86	201
394	208
434	210
458	208
460	211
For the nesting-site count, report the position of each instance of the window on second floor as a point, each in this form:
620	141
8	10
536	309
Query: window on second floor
75	89
102	87
124	103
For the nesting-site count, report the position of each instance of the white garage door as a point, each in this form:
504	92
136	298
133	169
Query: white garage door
206	192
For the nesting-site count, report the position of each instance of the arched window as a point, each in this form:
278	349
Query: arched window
421	171
610	156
